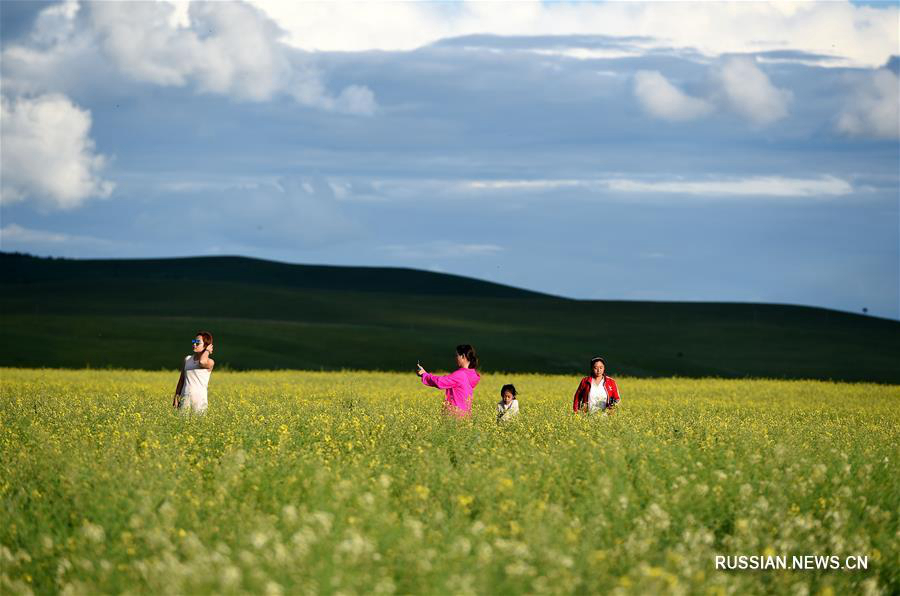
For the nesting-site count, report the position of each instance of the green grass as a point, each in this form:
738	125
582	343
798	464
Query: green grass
59	319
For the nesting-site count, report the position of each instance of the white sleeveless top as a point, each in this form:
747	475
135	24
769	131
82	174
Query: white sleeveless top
196	379
597	398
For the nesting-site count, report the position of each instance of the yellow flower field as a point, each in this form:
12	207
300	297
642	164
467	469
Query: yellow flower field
353	483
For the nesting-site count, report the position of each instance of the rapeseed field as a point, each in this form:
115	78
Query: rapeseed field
354	483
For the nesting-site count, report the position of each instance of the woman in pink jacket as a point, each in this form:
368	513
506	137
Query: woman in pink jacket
459	385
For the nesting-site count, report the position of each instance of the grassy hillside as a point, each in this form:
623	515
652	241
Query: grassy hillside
141	314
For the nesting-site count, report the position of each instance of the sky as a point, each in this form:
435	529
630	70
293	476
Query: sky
745	152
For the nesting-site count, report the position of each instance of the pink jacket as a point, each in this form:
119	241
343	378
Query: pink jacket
458	387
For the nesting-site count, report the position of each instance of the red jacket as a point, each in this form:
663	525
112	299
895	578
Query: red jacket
584	388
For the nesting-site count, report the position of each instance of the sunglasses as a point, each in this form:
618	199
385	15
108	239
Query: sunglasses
196	342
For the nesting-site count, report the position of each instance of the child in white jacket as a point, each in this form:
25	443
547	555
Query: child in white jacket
508	407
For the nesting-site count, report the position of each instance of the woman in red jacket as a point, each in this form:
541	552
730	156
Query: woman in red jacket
596	392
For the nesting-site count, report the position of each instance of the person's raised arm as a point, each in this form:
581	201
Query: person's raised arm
205	361
441	382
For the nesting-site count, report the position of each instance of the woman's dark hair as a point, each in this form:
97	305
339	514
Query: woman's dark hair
510	387
595	360
207	337
469	353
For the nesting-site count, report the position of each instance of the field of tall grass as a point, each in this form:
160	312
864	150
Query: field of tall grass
354	483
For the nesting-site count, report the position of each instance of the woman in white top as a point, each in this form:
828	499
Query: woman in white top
508	408
190	392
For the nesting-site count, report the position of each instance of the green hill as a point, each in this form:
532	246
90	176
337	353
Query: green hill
25	269
265	315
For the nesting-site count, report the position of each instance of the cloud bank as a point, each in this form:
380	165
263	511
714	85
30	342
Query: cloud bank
853	35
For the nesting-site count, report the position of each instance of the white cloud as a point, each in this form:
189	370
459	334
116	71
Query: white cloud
856	35
55	23
228	48
48	155
756	186
750	92
875	108
705	187
57	56
225	48
440	250
15	237
590	53
520	184
355	99
664	100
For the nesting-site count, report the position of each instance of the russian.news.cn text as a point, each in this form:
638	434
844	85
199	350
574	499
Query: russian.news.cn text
791	562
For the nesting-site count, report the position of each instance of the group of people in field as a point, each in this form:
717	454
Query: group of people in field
596	393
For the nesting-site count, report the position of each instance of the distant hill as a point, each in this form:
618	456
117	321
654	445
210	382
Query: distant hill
23	269
265	315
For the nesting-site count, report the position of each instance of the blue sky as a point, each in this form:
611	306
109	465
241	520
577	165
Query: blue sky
658	151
